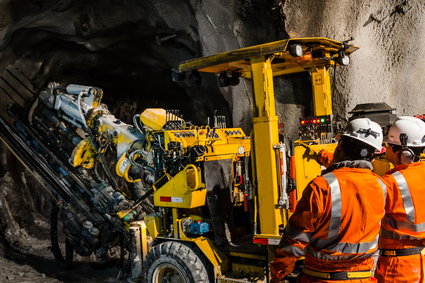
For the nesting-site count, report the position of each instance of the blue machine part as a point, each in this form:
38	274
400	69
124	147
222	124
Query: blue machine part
199	228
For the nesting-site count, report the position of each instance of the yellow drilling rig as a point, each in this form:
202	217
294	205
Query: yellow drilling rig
186	203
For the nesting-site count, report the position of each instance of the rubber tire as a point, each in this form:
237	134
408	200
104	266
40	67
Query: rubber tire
191	263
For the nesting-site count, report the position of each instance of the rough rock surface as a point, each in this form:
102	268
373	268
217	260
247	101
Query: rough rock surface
389	65
129	47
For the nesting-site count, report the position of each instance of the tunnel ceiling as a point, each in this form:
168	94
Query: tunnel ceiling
129	47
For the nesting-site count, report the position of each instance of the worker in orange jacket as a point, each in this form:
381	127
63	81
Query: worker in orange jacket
403	228
337	221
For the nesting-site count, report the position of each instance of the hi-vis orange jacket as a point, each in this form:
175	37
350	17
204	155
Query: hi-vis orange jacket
404	224
336	223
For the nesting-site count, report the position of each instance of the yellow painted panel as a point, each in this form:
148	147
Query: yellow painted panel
217	258
322	99
155	118
153	225
306	166
184	190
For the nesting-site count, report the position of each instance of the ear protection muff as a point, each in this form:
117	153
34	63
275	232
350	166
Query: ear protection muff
363	152
406	155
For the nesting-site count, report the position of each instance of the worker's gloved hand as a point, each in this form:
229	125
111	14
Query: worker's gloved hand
281	266
277	275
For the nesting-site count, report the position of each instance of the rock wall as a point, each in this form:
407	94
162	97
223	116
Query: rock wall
390	63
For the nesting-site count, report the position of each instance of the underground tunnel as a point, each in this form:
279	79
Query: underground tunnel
129	49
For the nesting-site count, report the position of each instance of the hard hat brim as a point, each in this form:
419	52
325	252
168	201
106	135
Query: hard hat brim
363	141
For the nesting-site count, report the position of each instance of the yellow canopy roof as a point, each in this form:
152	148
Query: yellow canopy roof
317	52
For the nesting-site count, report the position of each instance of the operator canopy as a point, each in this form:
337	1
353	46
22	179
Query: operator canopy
289	56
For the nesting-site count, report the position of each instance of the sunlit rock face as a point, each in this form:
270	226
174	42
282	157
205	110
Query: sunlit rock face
390	63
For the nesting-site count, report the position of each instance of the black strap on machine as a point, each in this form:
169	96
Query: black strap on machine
401	252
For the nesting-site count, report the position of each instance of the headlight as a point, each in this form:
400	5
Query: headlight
343	59
296	50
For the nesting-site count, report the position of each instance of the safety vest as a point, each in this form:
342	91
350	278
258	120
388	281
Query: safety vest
404	222
338	217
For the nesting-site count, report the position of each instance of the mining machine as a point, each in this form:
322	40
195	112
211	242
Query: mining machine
184	202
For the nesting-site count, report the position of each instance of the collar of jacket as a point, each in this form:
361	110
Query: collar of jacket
400	167
363	164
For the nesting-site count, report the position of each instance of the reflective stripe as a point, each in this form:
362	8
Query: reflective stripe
331	243
321	255
294	233
335	221
348	248
385	234
405	194
294	250
405	226
384	189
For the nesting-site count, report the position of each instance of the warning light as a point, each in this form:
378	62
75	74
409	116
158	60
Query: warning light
302	122
322	120
327	119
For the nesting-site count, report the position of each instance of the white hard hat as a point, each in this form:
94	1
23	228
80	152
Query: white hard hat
366	131
412	127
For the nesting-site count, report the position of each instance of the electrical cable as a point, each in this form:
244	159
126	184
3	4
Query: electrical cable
136	121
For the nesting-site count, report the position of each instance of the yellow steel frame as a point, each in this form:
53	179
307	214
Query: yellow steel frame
261	63
265	135
238	60
321	86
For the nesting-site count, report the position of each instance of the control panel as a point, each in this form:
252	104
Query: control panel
316	128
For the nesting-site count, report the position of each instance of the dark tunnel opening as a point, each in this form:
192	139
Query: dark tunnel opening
132	73
128	49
